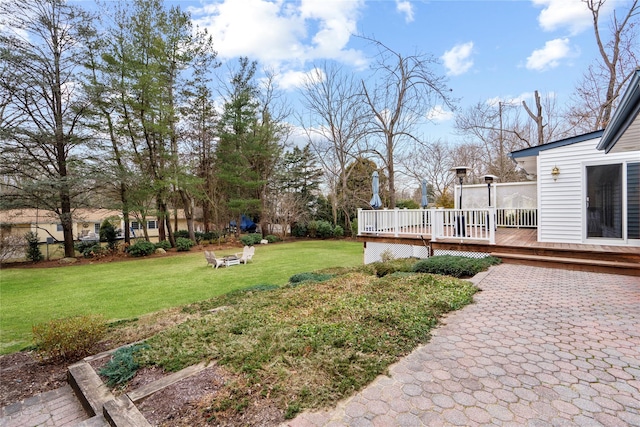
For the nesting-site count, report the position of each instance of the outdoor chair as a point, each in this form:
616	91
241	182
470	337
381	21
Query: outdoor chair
212	260
246	254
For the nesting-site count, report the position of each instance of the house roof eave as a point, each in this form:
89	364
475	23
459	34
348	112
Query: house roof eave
624	115
534	151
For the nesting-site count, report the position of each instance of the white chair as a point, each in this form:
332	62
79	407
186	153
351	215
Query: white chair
212	260
247	254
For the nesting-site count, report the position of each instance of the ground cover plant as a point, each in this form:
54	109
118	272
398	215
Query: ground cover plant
456	266
308	345
129	289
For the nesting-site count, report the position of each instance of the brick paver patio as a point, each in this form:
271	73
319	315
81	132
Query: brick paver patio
539	347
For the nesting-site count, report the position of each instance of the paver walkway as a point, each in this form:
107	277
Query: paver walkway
539	347
56	408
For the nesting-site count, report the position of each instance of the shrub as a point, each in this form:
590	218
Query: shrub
393	266
456	266
271	238
181	233
387	255
299	229
338	231
69	338
354	227
309	277
89	249
210	236
33	247
251	239
183	244
325	229
12	245
123	365
407	204
108	234
141	248
164	244
321	229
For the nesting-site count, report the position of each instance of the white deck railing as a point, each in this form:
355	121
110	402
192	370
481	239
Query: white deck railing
464	224
517	218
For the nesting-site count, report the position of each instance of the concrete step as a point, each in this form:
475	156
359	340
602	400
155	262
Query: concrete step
95	421
97	400
572	263
89	388
121	412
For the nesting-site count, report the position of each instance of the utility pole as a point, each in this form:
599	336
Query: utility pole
501	141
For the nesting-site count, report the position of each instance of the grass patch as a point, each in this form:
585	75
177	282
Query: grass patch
308	346
125	290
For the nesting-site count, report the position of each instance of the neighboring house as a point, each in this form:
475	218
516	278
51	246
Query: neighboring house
589	185
86	223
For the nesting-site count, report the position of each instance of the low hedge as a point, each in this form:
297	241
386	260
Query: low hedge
456	266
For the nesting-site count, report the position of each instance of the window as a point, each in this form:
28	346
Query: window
135	225
96	227
59	227
152	225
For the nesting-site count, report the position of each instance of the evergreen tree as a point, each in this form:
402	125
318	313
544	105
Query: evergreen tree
33	247
248	146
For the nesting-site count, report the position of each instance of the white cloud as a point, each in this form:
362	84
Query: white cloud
457	59
276	32
439	114
294	79
549	56
405	7
517	100
570	14
510	100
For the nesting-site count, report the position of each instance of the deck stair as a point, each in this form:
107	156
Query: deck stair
569	260
600	261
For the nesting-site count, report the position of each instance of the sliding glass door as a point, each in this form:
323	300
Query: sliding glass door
604	201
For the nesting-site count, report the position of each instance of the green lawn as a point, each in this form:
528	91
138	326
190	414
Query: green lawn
128	289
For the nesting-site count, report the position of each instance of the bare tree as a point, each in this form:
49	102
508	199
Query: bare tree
400	94
597	93
335	127
431	161
538	117
497	130
500	128
41	46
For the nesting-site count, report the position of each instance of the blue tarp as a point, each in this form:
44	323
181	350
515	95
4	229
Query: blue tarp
245	225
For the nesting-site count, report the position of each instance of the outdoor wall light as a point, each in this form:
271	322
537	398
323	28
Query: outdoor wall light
555	172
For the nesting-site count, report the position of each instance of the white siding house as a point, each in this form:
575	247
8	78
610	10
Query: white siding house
589	191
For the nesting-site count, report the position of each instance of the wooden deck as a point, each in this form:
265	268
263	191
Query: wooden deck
521	246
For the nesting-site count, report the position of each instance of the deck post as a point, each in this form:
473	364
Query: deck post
436	223
492	226
396	222
360	221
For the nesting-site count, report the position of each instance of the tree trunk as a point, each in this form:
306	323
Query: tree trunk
188	213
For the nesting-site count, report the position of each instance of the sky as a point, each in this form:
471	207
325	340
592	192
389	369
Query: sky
489	50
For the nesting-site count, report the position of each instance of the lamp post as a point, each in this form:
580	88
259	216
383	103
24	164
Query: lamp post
489	180
461	172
